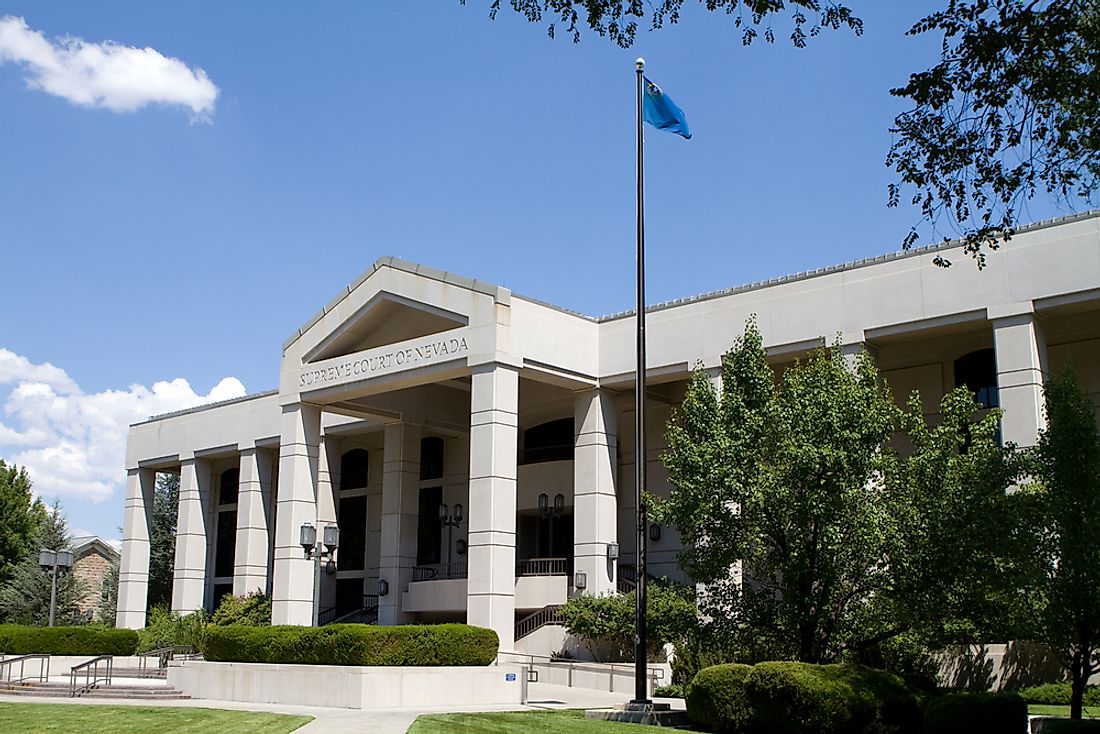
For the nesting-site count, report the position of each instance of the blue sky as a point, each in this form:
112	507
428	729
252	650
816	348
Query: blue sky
159	256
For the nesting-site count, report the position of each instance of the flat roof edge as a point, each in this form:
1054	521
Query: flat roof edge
206	406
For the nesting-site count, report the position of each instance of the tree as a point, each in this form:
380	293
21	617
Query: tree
25	597
618	20
162	539
606	623
1011	109
20	517
107	607
796	480
1069	542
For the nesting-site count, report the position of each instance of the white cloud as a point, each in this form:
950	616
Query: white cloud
74	443
119	78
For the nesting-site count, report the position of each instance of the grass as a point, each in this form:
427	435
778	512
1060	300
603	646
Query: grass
535	722
1037	709
60	718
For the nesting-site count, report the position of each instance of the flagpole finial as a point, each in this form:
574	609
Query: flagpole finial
639	64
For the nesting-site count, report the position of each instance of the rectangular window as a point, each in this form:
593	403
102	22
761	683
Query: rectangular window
429	533
225	543
353	533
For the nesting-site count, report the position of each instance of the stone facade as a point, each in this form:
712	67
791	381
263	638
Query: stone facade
93	559
416	391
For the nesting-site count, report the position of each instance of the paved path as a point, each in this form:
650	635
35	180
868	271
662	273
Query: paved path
352	721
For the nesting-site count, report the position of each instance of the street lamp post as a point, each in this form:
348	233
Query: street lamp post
550	513
316	552
450	522
51	562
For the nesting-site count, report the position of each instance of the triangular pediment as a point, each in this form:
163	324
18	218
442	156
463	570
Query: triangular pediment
387	318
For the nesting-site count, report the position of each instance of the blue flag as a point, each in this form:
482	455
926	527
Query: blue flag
662	113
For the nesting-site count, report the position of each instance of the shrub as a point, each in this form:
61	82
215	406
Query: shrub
352	644
717	699
20	640
789	698
672	691
250	610
165	628
1058	694
965	713
606	623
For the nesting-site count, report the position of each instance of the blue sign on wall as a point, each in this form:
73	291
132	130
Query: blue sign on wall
509	677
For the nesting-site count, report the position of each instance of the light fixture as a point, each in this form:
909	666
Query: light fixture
47	559
654	532
332	537
383	587
612	551
443	511
544	502
580	580
307	537
330	567
54	563
65	559
460	547
559	503
458	511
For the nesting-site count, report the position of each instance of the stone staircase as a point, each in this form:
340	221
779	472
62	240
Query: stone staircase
58	689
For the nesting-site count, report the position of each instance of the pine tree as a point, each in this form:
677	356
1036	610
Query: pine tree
25	597
162	539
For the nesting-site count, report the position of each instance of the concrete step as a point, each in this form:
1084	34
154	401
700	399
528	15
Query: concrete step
139	673
116	691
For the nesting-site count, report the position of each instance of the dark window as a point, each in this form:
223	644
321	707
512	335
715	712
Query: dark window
353	469
349	593
353	533
229	487
431	457
553	441
429	533
978	371
221	590
225	543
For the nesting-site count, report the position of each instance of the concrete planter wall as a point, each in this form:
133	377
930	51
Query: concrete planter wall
350	687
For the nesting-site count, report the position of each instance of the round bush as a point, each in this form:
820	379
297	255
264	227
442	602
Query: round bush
21	640
1071	726
716	698
965	713
352	644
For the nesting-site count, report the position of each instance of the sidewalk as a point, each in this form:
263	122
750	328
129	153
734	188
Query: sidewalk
541	696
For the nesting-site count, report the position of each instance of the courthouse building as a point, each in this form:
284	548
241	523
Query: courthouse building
415	391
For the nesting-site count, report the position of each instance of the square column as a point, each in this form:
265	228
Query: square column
494	407
292	586
250	567
328	500
192	537
595	506
133	572
400	507
1021	351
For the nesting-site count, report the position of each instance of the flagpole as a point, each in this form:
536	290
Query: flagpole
641	692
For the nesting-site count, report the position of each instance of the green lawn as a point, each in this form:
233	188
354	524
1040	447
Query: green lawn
1035	709
61	718
535	722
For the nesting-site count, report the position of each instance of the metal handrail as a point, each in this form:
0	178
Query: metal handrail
543	567
653	672
550	614
163	655
439	572
8	664
367	609
91	675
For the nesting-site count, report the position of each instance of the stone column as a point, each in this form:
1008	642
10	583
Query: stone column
595	506
328	501
494	407
400	503
250	567
192	537
133	571
1021	369
292	587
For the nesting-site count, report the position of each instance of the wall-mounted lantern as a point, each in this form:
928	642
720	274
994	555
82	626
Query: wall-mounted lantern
383	587
612	551
654	532
580	581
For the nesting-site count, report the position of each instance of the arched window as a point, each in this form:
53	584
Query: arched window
978	371
229	487
552	441
353	469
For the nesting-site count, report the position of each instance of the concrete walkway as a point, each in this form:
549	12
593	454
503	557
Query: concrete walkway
541	696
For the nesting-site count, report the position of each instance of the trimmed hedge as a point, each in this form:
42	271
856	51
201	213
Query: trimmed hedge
965	713
352	644
1058	694
717	699
20	640
792	698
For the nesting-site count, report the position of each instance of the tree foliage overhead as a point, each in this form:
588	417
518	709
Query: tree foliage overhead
1011	109
619	20
1068	545
21	515
796	480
